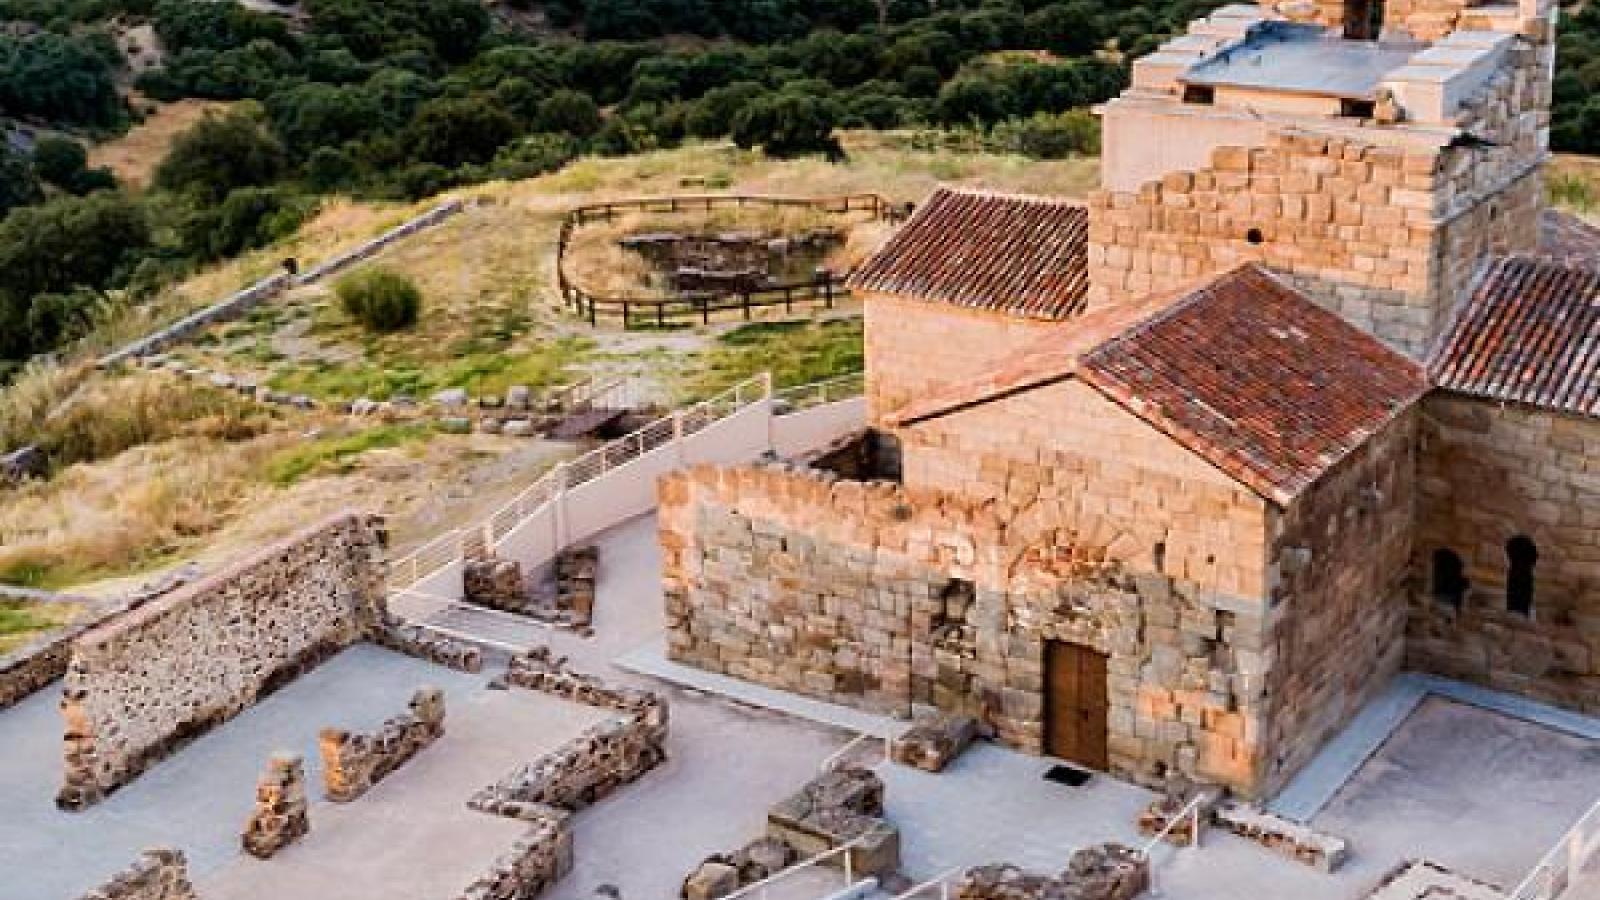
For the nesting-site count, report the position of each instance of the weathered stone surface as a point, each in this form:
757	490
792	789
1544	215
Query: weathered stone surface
159	873
933	742
834	809
144	683
536	861
711	881
427	644
1291	839
1102	872
353	762
281	814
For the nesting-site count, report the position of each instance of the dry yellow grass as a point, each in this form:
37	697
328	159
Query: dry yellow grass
135	155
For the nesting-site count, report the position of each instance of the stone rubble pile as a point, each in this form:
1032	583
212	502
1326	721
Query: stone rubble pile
834	809
1100	872
934	741
353	762
723	873
160	873
281	815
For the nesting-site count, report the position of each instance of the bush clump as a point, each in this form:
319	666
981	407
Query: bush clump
380	300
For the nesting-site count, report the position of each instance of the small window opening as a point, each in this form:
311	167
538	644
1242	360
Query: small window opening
1449	577
1521	555
1202	94
1357	109
1363	19
956	599
1254	236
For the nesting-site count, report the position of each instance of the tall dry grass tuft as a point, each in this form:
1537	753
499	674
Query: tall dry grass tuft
129	512
26	403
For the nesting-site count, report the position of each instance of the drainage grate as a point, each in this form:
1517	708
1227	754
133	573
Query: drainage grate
1071	776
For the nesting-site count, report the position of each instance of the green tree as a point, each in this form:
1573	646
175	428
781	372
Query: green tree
67	79
787	124
453	132
568	112
19	184
221	153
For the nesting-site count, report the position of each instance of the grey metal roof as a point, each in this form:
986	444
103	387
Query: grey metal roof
1304	59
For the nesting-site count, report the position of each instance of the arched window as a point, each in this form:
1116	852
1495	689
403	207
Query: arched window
1521	555
1449	578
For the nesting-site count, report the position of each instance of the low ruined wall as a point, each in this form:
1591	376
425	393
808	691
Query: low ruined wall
147	682
536	861
32	666
158	874
353	762
591	766
422	643
1489	472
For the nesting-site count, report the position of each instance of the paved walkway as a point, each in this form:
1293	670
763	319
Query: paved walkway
197	800
412	837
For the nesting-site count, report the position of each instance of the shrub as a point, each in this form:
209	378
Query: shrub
380	300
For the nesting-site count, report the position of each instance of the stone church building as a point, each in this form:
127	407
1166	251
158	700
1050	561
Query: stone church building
1306	394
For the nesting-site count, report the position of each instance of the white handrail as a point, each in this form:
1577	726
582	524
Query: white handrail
1564	863
450	547
940	881
817	393
1190	811
835	756
759	888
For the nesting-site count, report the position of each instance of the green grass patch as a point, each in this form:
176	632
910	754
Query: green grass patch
20	622
338	453
480	372
796	353
1571	190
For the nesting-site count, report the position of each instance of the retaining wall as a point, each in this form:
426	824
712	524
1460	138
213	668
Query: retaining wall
145	683
267	288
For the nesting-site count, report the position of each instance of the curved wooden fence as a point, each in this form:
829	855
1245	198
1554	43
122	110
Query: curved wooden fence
825	289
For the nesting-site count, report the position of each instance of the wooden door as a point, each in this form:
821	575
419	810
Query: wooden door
1075	705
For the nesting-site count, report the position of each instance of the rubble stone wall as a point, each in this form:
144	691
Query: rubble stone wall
536	861
352	762
1490	472
1339	610
916	346
30	667
145	683
158	874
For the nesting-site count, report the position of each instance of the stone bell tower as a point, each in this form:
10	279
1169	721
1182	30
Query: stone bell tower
1374	151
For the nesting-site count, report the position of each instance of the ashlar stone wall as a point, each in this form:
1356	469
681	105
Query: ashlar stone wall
914	347
1385	225
145	683
841	590
1490	472
1340	567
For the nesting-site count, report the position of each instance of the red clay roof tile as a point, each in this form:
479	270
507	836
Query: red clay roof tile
1026	256
1261	382
1529	333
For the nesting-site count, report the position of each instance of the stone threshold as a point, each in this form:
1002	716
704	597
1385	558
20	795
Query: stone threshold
651	660
1327	773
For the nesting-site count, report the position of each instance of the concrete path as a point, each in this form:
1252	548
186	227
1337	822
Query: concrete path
412	837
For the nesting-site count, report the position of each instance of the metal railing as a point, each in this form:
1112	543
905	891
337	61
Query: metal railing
819	393
760	889
944	881
460	543
1563	866
1190	812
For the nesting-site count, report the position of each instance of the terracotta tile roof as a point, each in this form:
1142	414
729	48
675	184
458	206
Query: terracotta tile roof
1261	382
1027	256
1528	333
1565	238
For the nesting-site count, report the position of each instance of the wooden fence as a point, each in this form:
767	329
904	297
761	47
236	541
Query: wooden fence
823	289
